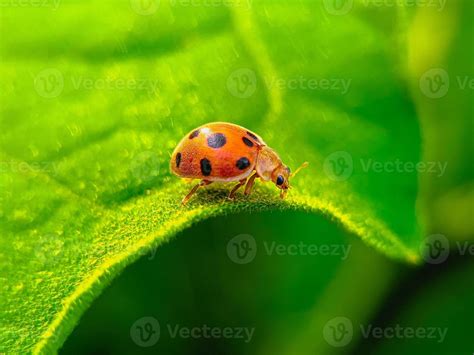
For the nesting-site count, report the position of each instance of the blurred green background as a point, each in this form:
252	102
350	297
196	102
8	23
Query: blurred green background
96	94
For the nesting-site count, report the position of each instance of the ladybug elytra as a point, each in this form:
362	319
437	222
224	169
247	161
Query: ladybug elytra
225	152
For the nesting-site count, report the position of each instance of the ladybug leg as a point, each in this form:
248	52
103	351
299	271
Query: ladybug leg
193	190
236	187
248	188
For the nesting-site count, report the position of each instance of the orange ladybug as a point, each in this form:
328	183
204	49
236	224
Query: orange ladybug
225	152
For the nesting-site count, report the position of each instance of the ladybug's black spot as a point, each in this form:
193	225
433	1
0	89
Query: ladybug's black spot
242	163
247	142
216	140
194	134
206	167
178	159
253	136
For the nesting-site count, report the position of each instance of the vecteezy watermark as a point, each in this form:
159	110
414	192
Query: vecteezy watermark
242	83
146	332
465	248
145	166
305	249
436	4
52	4
150	7
242	249
33	167
338	7
246	4
436	249
83	83
339	166
340	85
48	249
436	334
210	332
339	331
398	166
145	7
343	7
435	83
49	83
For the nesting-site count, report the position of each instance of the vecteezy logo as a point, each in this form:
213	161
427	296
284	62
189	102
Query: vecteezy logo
242	83
435	249
242	249
145	332
49	83
145	7
49	249
434	83
338	7
338	166
338	331
145	166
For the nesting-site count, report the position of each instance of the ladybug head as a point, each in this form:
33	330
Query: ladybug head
270	168
281	177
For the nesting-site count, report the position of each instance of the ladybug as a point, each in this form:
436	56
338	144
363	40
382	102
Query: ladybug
226	152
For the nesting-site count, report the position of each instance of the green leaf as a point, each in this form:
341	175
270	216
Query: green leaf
303	271
97	96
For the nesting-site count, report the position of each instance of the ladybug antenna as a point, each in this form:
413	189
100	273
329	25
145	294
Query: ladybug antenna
304	165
